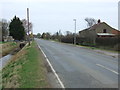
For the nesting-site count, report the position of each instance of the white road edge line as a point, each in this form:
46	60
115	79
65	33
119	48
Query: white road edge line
107	68
52	68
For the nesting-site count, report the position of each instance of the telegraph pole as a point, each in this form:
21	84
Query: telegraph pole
75	32
60	35
28	25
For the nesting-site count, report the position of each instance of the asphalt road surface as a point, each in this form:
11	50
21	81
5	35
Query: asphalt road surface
78	67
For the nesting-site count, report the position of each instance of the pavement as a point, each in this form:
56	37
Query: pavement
113	54
78	67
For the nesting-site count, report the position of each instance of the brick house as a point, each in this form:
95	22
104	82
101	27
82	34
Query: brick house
101	29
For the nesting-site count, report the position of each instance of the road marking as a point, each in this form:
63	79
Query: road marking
107	68
52	68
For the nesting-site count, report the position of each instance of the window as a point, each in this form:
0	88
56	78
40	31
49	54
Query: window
104	31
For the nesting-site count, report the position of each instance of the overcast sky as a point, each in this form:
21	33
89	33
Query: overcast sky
54	15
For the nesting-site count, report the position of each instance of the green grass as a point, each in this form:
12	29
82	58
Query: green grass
29	69
2	42
101	48
13	44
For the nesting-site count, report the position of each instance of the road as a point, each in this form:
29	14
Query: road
78	67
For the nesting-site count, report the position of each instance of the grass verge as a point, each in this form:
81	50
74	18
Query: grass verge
101	48
26	70
2	42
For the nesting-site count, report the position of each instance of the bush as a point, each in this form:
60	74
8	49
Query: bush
107	41
67	39
117	47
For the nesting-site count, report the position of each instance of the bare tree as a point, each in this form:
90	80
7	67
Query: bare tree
0	31
25	25
90	21
24	21
68	33
4	28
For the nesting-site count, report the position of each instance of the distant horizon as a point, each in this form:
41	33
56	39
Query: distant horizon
54	16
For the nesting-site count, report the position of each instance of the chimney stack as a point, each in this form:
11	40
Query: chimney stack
99	21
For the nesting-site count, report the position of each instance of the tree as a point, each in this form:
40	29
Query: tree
25	25
16	29
43	35
0	31
3	29
68	33
48	36
90	21
38	35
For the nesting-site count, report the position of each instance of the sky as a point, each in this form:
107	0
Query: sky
119	15
54	15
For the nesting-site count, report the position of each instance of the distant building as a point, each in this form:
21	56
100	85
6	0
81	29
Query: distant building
101	29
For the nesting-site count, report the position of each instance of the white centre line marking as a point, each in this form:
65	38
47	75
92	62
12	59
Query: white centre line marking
107	68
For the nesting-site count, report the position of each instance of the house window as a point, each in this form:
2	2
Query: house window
104	31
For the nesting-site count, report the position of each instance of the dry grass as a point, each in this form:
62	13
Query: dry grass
7	48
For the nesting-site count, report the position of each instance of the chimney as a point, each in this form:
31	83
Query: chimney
99	21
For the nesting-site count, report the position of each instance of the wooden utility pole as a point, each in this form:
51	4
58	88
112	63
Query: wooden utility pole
28	25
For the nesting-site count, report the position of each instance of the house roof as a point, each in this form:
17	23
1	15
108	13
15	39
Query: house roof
96	26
